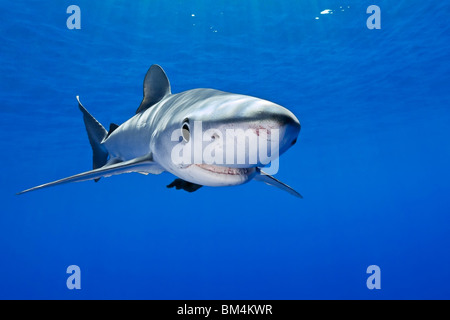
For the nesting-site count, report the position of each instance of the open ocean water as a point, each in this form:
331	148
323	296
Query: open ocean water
372	159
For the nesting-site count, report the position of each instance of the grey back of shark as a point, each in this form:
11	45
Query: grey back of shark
194	121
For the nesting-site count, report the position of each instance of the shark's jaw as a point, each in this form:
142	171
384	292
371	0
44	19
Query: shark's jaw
224	170
215	175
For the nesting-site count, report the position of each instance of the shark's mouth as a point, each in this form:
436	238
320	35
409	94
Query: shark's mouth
225	170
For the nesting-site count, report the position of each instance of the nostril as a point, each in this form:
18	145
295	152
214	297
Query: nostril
294	141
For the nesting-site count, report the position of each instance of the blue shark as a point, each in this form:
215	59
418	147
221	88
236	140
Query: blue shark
165	121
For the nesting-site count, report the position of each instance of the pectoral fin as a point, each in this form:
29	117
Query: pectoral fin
185	185
142	164
268	179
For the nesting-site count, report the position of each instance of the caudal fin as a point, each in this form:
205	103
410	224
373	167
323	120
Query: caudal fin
96	133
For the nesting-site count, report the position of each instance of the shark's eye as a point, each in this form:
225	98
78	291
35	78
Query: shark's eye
185	131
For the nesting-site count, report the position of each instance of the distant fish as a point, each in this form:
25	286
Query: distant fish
188	135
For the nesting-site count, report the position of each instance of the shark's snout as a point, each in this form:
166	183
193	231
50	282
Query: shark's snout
291	127
271	117
254	134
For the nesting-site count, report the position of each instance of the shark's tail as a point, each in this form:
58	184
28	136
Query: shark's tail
96	133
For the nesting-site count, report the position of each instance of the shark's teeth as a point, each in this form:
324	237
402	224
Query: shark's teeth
224	170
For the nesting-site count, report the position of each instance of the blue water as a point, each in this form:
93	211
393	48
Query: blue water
372	159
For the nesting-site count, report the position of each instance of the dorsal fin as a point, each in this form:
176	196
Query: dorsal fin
156	87
112	127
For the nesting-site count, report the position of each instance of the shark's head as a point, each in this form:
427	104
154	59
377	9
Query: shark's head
215	138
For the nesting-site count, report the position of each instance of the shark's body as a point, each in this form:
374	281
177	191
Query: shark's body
145	143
